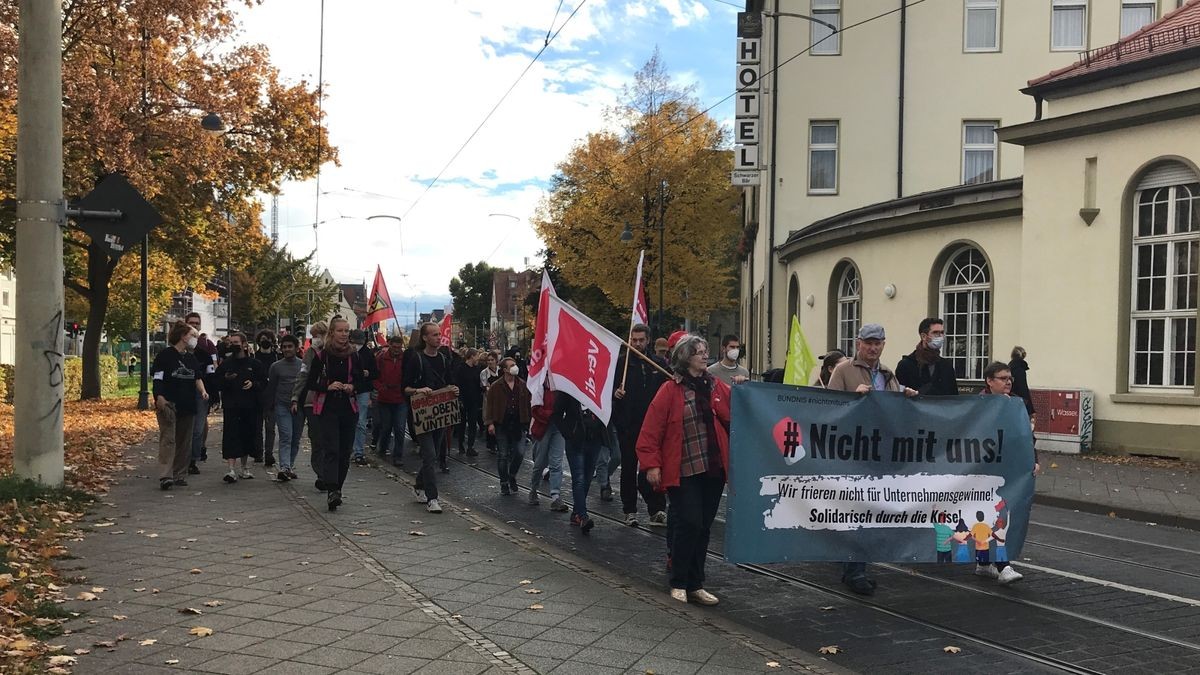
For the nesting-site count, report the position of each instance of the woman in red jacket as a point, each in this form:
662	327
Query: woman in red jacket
684	449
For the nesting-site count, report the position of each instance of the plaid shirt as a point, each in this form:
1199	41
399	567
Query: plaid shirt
695	438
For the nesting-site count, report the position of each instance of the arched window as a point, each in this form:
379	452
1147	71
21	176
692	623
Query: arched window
1166	268
849	308
966	300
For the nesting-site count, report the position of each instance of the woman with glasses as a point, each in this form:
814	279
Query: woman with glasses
684	449
998	381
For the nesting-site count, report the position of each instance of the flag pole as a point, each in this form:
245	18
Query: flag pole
645	358
629	347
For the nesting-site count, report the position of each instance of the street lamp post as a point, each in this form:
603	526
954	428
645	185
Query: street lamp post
627	236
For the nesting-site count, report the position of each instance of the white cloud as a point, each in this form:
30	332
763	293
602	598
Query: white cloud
407	82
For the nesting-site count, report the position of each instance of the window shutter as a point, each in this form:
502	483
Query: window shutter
1166	175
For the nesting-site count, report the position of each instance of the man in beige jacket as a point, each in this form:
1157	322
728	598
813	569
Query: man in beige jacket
863	374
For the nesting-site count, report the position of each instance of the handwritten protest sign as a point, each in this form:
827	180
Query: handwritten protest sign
827	475
435	410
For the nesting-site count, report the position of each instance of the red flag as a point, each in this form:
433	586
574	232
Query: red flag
640	314
447	328
537	352
379	307
583	358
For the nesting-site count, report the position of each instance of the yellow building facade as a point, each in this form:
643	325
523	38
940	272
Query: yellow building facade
1055	215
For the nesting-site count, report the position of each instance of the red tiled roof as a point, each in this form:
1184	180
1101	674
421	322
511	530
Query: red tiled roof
1176	31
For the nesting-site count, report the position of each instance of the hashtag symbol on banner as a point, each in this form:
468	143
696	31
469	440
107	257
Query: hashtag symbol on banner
791	439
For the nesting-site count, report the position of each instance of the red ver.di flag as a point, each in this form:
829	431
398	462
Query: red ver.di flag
583	357
538	352
447	327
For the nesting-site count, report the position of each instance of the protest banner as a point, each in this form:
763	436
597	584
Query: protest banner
436	410
826	475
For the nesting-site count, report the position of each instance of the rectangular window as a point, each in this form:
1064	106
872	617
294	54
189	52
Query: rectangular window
1135	14
6	298
981	29
824	39
978	152
1068	25
823	158
1166	287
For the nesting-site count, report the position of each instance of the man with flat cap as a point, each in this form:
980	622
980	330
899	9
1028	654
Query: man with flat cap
863	374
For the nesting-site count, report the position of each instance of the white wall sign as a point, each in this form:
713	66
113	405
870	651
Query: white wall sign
745	126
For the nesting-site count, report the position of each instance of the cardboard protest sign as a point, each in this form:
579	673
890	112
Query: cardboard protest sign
828	475
436	410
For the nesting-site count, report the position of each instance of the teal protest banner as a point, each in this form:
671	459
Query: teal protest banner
829	475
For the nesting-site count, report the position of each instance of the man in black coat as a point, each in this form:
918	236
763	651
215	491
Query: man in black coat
924	369
631	402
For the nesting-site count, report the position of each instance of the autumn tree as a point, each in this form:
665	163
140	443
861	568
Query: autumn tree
274	285
138	75
659	167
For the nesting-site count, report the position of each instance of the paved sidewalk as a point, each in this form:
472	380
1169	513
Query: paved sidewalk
1159	491
380	586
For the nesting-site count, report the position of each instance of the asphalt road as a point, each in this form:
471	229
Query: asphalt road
1100	594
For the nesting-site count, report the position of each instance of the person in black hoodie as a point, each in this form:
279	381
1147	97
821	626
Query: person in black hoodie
466	376
370	373
425	370
1020	383
584	434
264	435
241	378
924	369
631	401
337	379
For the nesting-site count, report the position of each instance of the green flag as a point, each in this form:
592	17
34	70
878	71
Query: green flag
800	360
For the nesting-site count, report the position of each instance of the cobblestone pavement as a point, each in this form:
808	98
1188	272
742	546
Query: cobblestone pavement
380	586
1160	491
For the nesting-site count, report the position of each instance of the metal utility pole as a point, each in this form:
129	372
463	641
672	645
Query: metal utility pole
41	217
144	391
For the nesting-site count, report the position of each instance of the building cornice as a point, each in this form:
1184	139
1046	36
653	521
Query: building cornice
1110	118
948	206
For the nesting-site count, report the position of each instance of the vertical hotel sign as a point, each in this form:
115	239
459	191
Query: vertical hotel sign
746	122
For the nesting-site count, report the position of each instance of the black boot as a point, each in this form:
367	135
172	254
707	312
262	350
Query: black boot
335	499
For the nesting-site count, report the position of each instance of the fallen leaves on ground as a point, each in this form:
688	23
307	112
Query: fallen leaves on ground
36	523
773	664
532	591
147	642
213	603
830	649
417	533
951	649
535	607
190	610
200	631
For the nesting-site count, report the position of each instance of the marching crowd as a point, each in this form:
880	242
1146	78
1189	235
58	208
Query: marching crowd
668	434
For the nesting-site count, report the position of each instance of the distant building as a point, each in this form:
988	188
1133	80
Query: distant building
8	315
509	318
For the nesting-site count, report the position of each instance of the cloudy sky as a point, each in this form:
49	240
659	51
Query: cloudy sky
407	82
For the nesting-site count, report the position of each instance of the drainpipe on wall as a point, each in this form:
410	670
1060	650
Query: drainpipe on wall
774	181
900	105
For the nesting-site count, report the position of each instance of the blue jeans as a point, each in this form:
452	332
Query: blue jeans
290	428
608	460
581	455
392	419
199	428
360	432
548	452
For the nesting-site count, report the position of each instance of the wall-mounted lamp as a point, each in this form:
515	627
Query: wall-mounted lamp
810	300
890	291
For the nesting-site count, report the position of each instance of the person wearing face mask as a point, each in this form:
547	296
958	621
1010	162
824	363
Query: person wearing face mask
178	383
506	414
924	369
264	435
242	380
728	370
302	398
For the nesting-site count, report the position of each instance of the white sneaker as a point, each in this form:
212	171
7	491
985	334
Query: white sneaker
988	571
702	597
1008	575
420	496
679	594
658	519
433	506
631	519
246	472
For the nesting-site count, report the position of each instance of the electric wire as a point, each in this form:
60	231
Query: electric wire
551	28
495	107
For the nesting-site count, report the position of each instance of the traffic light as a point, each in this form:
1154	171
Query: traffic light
73	329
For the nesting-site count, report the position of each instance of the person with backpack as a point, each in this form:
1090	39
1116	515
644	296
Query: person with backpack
584	434
427	370
336	380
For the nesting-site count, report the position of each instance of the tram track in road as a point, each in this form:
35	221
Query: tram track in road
981	640
1122	561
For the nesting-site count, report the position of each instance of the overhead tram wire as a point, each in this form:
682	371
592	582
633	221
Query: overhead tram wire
648	145
551	28
495	107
